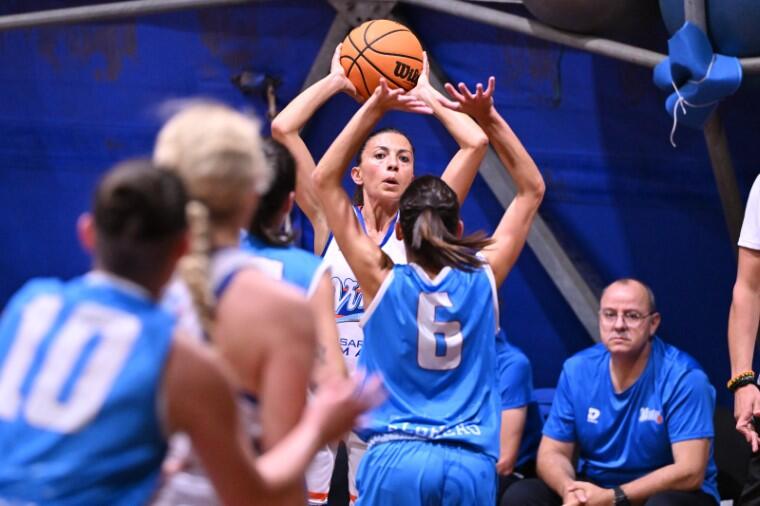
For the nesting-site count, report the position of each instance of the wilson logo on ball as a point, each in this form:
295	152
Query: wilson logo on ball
406	72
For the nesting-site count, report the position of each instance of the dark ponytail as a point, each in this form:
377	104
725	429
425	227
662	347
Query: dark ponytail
284	169
429	215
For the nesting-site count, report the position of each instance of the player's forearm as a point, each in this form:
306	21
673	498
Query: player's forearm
286	463
556	469
742	327
298	112
685	478
463	129
513	155
329	171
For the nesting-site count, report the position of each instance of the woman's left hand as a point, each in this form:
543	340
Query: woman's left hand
388	99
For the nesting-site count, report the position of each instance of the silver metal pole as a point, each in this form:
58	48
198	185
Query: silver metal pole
606	47
102	12
534	28
717	146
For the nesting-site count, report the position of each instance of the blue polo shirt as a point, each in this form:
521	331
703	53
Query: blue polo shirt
624	436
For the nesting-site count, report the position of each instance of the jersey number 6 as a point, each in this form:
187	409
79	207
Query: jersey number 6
439	344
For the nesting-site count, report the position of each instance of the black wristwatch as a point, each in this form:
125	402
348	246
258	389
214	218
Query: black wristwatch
620	498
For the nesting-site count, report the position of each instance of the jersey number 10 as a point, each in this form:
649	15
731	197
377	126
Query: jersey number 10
94	339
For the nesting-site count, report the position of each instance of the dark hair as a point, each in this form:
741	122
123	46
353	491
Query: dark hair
139	213
429	215
284	173
358	191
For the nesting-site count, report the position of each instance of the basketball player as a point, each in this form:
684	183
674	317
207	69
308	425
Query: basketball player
377	196
263	328
430	325
270	238
93	373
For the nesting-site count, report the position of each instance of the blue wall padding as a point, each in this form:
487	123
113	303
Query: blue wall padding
622	201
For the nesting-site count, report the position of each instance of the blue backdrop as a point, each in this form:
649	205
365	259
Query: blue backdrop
76	99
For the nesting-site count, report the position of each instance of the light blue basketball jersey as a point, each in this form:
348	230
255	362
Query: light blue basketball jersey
294	265
433	343
80	371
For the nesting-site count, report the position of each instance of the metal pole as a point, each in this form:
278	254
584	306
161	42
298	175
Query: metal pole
606	47
102	12
717	146
533	28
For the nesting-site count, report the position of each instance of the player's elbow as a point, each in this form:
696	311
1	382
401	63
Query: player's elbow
279	131
478	142
538	189
693	478
320	178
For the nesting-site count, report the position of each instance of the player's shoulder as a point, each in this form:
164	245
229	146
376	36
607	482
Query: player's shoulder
255	296
585	361
512	356
675	364
34	288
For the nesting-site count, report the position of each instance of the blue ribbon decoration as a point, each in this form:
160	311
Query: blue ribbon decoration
700	78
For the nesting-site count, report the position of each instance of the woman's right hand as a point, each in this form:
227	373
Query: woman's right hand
338	73
339	402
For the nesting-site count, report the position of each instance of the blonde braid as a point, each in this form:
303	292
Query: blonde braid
194	267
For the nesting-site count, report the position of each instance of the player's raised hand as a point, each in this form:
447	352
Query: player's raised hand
477	104
339	402
338	73
423	89
388	99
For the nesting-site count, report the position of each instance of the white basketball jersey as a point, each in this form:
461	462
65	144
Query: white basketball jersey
349	301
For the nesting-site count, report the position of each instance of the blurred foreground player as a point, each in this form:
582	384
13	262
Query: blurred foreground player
93	375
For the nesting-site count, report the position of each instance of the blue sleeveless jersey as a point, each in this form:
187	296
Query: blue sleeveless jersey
80	370
433	343
294	265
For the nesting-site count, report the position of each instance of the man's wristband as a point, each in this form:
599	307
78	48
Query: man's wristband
620	499
740	380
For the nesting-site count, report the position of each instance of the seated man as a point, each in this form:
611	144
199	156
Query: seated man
638	412
520	418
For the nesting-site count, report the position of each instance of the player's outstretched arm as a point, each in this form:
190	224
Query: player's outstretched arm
512	231
473	143
742	330
329	360
366	259
286	128
510	436
193	372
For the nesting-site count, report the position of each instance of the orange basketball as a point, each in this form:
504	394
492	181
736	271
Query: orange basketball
381	48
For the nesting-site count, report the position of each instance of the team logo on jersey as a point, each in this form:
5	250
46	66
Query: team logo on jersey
650	415
593	415
348	296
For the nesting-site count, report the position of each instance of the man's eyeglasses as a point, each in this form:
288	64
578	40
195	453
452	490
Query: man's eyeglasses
632	319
